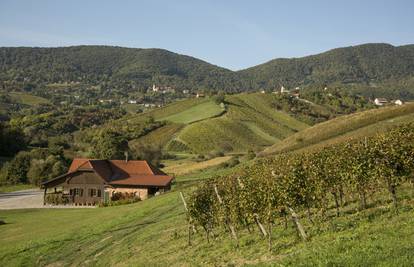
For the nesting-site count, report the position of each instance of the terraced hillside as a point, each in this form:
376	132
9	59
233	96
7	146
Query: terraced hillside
345	127
251	121
242	122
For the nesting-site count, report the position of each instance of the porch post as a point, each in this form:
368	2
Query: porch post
44	197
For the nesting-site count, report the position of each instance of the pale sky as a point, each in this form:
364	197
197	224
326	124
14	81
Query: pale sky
231	34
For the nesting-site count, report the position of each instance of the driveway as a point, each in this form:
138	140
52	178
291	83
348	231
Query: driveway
25	199
28	199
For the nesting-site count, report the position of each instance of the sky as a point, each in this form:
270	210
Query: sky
228	33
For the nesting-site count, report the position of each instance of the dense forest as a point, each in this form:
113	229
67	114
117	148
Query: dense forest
372	69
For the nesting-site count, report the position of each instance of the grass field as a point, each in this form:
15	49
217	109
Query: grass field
346	127
176	107
17	187
186	166
28	99
154	233
160	136
195	113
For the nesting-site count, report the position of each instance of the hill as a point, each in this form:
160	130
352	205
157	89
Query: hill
367	64
355	125
242	122
116	67
251	121
380	69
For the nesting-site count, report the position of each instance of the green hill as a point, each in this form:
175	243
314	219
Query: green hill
117	67
251	121
345	127
362	64
247	121
371	68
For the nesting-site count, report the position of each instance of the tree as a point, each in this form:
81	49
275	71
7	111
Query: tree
16	170
109	144
150	153
219	98
12	140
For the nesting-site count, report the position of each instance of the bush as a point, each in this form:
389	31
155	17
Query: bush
56	199
250	155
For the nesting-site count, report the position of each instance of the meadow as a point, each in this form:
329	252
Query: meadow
28	99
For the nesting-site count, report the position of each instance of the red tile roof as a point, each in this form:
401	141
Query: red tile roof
120	172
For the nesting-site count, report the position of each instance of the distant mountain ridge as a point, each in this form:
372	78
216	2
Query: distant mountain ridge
355	64
367	65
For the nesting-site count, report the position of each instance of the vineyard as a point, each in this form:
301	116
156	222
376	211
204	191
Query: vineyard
315	186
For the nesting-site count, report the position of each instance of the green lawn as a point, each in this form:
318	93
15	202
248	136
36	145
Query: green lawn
196	113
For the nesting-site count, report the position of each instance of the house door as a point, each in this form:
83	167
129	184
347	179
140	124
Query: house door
106	196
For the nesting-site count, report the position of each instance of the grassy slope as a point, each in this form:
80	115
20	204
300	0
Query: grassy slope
176	107
195	113
159	137
345	127
186	166
13	188
154	233
250	122
28	99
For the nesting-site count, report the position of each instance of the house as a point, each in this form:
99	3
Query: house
398	102
380	101
198	95
186	91
92	181
155	88
283	90
132	101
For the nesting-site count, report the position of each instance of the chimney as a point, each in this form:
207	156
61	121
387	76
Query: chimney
126	156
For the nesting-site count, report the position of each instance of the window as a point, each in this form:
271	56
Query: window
77	192
93	192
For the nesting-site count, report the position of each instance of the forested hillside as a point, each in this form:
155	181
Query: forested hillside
380	69
130	68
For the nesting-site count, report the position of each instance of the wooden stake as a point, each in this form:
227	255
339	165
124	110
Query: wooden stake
299	226
256	217
261	227
185	203
232	230
186	209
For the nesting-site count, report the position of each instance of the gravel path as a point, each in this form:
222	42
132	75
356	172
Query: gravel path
27	199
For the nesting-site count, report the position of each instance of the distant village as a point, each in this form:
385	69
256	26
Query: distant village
157	96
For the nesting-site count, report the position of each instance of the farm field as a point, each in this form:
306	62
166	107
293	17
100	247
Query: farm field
154	232
346	127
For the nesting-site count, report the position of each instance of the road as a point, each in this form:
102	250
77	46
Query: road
28	199
25	199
